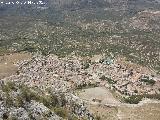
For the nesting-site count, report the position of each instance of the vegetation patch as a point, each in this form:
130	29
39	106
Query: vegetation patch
148	81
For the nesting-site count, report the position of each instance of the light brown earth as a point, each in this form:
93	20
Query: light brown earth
111	109
105	113
148	111
7	63
99	93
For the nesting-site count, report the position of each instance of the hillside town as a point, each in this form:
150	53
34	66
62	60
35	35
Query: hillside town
67	74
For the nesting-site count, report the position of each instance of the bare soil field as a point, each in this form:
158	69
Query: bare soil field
101	102
7	63
109	108
99	93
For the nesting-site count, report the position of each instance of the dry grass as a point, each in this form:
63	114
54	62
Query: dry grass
150	111
106	113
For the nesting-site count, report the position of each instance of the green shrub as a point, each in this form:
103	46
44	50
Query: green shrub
19	101
61	112
135	91
148	81
73	117
9	100
152	96
27	94
134	99
103	77
5	116
8	87
11	85
86	66
110	81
